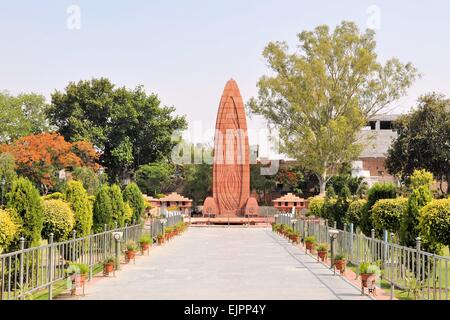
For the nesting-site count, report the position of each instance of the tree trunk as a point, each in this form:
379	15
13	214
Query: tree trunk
322	183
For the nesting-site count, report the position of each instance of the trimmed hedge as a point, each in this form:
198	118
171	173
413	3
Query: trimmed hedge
103	210
78	198
9	229
58	219
387	214
315	206
128	213
118	206
434	222
354	212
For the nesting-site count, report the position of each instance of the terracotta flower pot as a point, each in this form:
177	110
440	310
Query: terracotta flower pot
145	246
161	241
131	254
79	280
108	268
309	246
366	278
322	255
340	265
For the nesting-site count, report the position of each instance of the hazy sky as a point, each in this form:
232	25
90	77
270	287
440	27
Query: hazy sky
185	51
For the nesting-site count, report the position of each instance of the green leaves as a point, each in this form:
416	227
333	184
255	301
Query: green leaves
434	222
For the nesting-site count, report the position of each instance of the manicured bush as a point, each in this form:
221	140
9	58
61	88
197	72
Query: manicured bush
421	178
376	192
133	195
387	214
58	219
409	228
9	230
128	215
77	196
54	196
315	206
118	205
25	200
328	208
103	210
354	212
434	222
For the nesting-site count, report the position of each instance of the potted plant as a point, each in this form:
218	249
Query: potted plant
131	250
108	265
309	242
160	238
78	273
145	241
168	232
322	251
368	273
340	262
295	237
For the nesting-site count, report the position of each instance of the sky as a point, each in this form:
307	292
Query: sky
185	51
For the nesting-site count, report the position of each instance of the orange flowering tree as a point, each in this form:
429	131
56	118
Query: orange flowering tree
41	156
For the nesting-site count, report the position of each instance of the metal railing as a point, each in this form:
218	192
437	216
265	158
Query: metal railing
422	274
158	224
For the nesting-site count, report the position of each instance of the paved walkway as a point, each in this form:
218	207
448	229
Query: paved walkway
225	263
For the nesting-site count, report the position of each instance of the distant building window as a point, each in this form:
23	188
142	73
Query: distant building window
279	204
372	125
386	125
286	204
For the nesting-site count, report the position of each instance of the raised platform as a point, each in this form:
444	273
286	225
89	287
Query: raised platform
231	220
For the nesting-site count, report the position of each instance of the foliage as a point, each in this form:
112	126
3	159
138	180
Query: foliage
25	200
261	184
58	219
21	115
7	174
356	186
320	97
354	212
128	213
376	192
118	205
129	127
315	206
322	247
421	178
39	157
146	239
409	229
153	178
387	214
103	209
368	268
133	195
54	196
290	178
310	239
131	245
109	260
77	268
339	256
9	230
88	177
78	198
197	182
423	140
434	222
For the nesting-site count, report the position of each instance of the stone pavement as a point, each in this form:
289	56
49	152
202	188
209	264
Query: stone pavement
225	263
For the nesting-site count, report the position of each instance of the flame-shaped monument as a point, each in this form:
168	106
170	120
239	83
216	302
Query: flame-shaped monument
231	162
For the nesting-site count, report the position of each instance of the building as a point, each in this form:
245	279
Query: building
289	201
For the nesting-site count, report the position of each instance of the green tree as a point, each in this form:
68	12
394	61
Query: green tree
133	195
103	209
78	198
21	115
9	230
88	177
153	178
118	205
320	97
354	212
25	200
423	140
261	184
434	223
58	219
197	182
7	174
387	214
376	192
130	127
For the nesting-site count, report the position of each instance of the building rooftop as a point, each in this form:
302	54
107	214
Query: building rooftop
289	198
174	197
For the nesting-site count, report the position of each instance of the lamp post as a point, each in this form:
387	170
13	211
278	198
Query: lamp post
333	235
293	221
163	222
276	217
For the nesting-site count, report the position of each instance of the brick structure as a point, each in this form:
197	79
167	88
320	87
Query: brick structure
289	201
231	163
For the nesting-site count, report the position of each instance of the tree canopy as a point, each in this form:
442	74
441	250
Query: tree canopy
321	96
129	127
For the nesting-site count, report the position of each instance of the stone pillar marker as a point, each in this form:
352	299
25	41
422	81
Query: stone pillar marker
231	162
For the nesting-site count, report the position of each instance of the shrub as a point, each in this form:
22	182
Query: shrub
25	200
131	245
368	268
310	239
88	177
77	268
388	213
146	239
54	196
409	228
118	206
421	178
322	247
328	208
315	206
128	214
103	210
7	173
376	192
9	229
434	222
58	219
354	212
77	196
133	195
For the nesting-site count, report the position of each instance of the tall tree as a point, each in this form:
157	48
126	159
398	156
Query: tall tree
129	127
320	97
423	140
7	174
197	181
153	178
21	115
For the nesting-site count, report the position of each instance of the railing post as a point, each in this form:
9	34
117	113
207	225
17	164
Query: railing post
22	248
90	257
385	247
350	245
372	245
418	264
125	232
105	226
74	236
50	266
117	247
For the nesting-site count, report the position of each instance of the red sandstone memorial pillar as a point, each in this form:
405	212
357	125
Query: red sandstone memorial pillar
231	162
